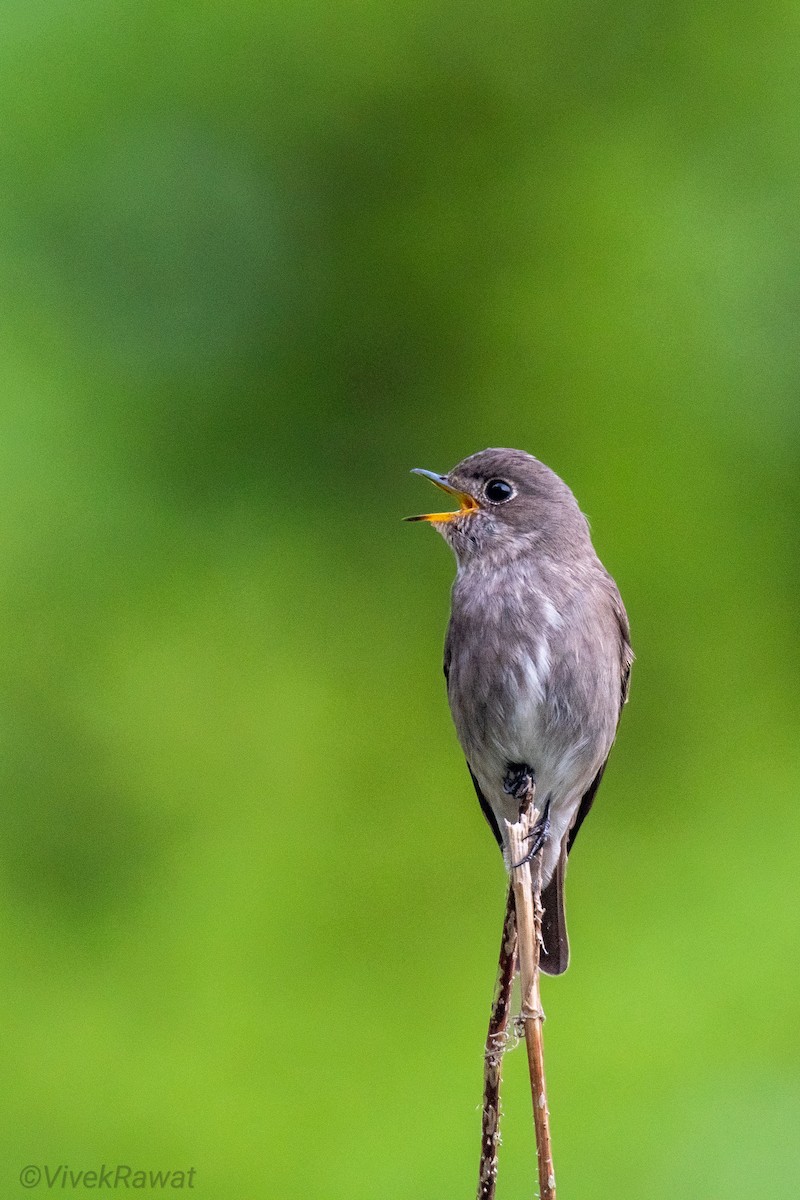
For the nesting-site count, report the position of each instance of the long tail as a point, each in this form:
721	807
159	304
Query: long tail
554	958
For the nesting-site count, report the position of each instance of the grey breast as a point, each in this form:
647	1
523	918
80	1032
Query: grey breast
534	676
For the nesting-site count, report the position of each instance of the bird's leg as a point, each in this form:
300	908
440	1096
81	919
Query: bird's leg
518	780
537	835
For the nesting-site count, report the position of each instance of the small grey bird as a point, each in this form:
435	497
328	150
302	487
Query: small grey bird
537	656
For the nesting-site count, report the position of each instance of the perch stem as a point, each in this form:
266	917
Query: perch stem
526	886
493	1055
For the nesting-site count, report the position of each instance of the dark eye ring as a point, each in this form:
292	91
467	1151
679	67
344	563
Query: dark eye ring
498	491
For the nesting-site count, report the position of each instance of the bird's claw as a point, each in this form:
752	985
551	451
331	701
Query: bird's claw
536	836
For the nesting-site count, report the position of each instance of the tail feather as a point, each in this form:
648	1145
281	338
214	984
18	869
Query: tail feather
554	956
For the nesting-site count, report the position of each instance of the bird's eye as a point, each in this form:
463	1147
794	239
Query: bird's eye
498	491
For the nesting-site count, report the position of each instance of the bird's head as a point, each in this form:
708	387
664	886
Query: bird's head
508	502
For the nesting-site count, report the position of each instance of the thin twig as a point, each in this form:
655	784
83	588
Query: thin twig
528	905
493	1056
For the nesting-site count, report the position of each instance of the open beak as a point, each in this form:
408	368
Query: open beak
468	504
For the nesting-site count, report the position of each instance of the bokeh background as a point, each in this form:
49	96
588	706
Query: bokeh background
257	260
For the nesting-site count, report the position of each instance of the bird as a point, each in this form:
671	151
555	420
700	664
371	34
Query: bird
537	658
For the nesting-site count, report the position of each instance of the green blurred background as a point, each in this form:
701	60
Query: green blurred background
257	260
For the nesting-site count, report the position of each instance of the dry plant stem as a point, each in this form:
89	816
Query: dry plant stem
493	1056
526	885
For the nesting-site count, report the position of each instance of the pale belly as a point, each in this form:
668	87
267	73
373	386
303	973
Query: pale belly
515	720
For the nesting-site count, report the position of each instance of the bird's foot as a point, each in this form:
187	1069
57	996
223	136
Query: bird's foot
518	781
537	836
